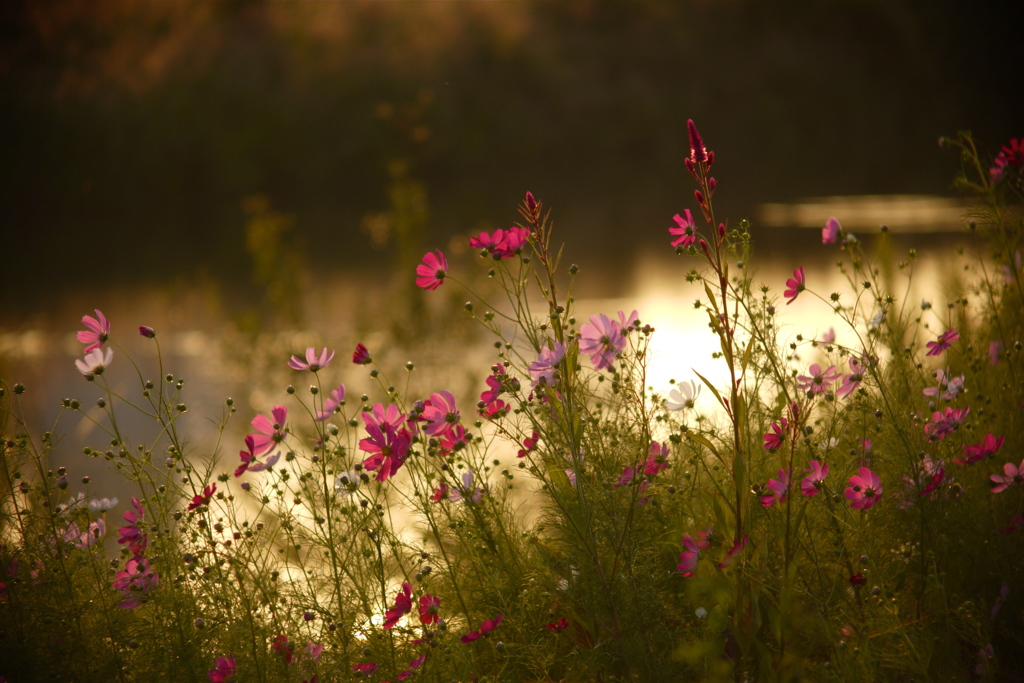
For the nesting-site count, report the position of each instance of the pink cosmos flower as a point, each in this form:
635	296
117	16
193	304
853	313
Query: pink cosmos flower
1011	154
829	337
403	604
487	242
773	439
97	334
688	558
546	366
494	387
944	341
224	670
795	285
440	413
440	492
147	331
331	404
83	539
413	665
949	387
625	478
270	433
361	356
777	489
685	231
249	461
468	491
313	362
945	423
429	607
485	627
815	479
933	474
819	380
95	362
864	490
601	339
981	451
134	581
657	459
203	498
851	381
388	441
430	274
995	349
132	533
830	232
529	445
283	648
557	626
730	557
455	439
1012	474
494	411
364	669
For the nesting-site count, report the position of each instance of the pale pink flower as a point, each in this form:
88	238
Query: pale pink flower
467	491
1012	474
995	349
776	489
851	381
430	274
949	387
944	341
83	539
440	413
819	381
313	362
815	479
685	231
829	337
864	490
95	362
830	232
730	557
331	404
546	365
97	334
602	340
134	581
945	423
794	285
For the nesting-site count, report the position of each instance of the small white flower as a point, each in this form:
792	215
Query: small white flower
683	396
877	319
95	362
701	612
102	504
826	446
347	483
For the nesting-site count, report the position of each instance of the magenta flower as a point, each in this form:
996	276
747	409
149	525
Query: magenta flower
364	669
546	366
730	557
468	491
83	539
147	331
1012	474
815	479
949	387
413	665
625	478
601	339
95	362
388	441
657	459
440	492
429	607
430	274
494	387
313	362
932	475
529	445
203	498
249	461
361	356
557	626
688	558
864	490
685	231
773	439
270	433
403	604
777	489
829	336
795	285
331	404
97	334
487	241
485	627
134	581
819	381
224	671
944	341
981	451
945	423
698	152
440	413
1011	154
830	232
851	381
133	533
453	440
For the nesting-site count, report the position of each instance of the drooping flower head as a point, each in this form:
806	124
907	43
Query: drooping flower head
986	449
361	356
830	232
691	555
685	232
430	274
529	445
776	489
794	285
602	340
313	362
97	333
944	341
851	381
546	365
864	490
683	395
331	404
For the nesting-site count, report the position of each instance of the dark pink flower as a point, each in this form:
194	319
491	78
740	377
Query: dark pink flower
815	479
698	152
864	490
1012	474
313	362
858	580
945	423
995	349
734	552
430	274
851	381
203	498
249	461
134	581
132	534
224	670
485	627
776	489
685	232
146	331
944	341
602	340
440	492
794	285
688	558
283	648
364	669
413	665
440	413
331	404
388	441
625	478
773	439
819	381
529	445
933	475
557	626
97	334
494	387
452	441
361	356
1011	154
403	604
270	433
657	459
830	232
429	606
981	451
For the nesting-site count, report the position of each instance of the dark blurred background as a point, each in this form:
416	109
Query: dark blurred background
140	141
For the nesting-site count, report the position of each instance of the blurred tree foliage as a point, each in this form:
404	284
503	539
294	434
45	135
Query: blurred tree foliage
132	131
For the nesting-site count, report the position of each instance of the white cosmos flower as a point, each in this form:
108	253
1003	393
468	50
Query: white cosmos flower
683	396
95	362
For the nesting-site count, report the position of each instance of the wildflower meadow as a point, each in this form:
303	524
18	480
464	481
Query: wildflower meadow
843	506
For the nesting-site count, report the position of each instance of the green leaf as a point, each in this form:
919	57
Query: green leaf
714	391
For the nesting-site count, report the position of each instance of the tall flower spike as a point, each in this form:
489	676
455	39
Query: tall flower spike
698	152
